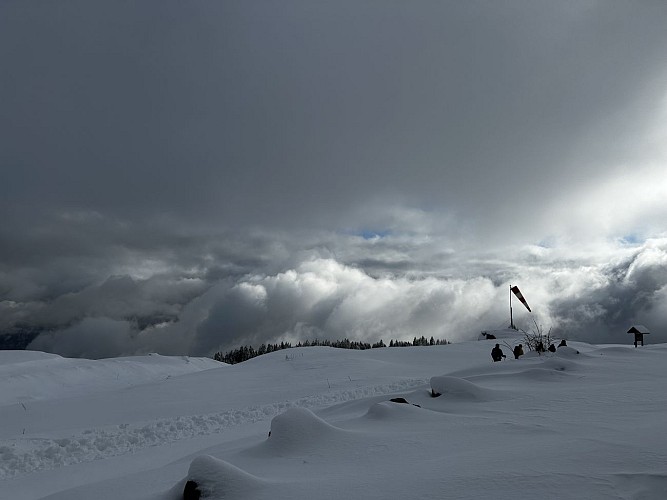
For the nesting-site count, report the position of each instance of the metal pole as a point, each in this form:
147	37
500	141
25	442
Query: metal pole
511	317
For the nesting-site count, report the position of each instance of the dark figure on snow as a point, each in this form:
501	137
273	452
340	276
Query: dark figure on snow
497	353
552	348
562	343
540	348
518	351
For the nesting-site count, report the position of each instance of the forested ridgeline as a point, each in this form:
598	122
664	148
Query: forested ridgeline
245	353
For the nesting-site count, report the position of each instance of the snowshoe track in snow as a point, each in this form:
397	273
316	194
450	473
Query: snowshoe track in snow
22	456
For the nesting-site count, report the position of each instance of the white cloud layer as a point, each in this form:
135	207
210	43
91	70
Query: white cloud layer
323	298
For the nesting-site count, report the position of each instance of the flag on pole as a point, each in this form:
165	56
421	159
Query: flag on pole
517	292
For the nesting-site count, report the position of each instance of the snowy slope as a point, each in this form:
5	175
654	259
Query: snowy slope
32	375
586	422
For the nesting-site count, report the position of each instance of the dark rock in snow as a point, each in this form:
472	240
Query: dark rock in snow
402	400
191	491
399	400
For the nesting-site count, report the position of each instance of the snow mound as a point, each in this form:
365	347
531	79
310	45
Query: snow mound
548	370
641	486
501	334
299	429
387	410
560	364
567	352
216	478
459	389
616	350
536	375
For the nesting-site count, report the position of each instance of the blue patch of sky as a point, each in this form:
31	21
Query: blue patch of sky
548	242
371	234
632	239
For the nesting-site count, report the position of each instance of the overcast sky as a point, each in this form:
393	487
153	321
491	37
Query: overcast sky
186	177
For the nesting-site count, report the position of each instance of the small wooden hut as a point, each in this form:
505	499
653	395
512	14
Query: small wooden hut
639	331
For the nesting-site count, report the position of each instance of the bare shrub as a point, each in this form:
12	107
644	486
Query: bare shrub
537	337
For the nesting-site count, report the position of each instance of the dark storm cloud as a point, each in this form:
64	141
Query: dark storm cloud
176	170
111	338
632	291
242	113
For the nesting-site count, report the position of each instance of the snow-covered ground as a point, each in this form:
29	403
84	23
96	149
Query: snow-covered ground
587	422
